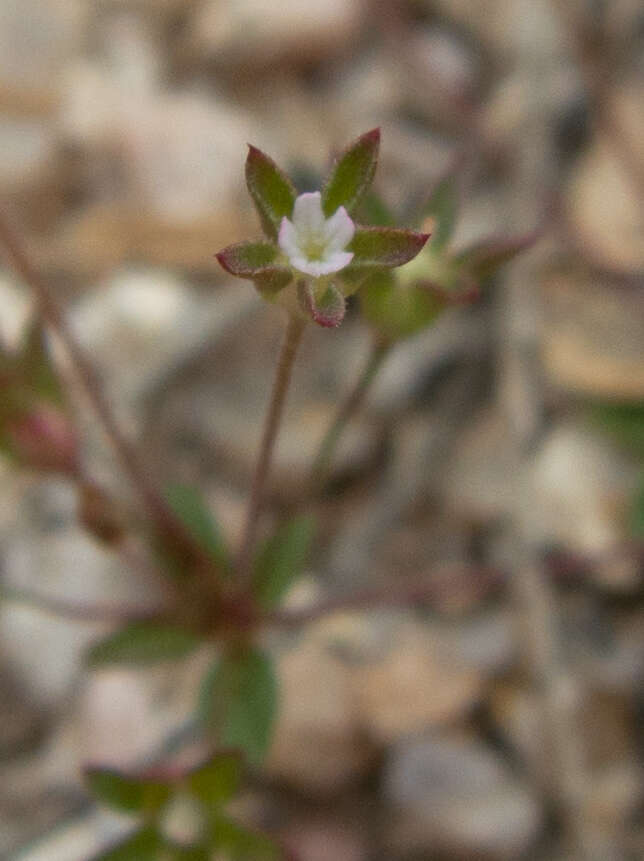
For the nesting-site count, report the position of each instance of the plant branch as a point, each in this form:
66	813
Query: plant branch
161	514
379	351
475	582
292	339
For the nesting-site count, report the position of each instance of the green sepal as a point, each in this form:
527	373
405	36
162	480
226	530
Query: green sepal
127	793
215	781
384	246
442	207
143	643
239	699
398	311
322	301
273	279
352	174
281	560
272	191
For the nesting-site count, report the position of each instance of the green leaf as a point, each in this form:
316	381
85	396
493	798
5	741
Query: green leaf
398	311
188	504
442	208
144	845
385	246
483	259
281	560
272	191
242	844
238	701
143	643
324	302
352	174
217	780
127	793
254	261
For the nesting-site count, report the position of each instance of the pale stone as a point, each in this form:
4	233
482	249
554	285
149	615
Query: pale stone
260	32
581	487
416	686
457	796
318	746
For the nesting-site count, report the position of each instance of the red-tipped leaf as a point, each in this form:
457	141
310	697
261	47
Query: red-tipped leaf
255	261
484	258
352	174
272	191
385	246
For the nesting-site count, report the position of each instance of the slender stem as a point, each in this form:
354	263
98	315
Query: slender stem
474	582
379	351
292	339
156	505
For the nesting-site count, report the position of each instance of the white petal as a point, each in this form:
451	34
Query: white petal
287	238
309	267
308	217
336	260
339	230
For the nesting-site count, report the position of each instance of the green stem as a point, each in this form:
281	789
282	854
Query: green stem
292	339
347	408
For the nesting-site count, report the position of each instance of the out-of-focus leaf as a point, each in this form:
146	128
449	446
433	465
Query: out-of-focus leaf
186	853
216	781
242	844
624	421
385	246
272	191
127	793
37	366
144	845
396	310
374	211
483	259
441	207
188	504
637	515
325	306
143	643
352	174
238	701
281	560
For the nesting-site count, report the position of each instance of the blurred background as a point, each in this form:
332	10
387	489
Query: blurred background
499	454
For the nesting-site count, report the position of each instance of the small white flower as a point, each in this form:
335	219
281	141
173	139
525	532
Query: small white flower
315	244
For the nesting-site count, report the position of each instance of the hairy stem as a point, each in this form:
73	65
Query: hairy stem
271	426
347	408
159	511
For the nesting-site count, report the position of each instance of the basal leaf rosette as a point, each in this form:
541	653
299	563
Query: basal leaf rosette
314	253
